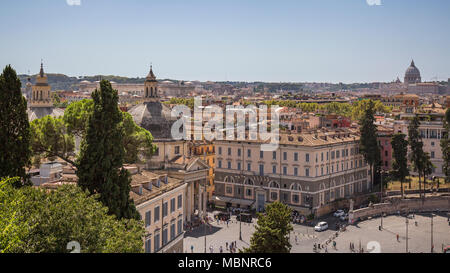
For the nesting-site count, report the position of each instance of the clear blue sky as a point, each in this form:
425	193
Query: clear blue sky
243	40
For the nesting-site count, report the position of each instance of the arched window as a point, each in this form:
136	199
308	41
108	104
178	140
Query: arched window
274	184
249	181
295	187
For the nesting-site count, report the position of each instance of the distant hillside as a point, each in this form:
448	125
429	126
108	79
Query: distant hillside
63	82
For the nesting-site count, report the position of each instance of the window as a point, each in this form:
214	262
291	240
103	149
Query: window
432	143
148	245
248	192
295	171
274	169
385	153
229	164
432	154
249	167
321	170
157	151
148	218
229	151
172	205
180	199
273	195
157	238
321	156
249	153
156	214
177	150
165	210
261	169
261	154
274	155
172	230
219	163
332	155
295	198
164	236
220	150
307	172
229	190
337	154
180	225
295	156
307	157
239	166
284	170
284	156
239	152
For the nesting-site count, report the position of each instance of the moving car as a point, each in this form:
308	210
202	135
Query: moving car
339	213
321	226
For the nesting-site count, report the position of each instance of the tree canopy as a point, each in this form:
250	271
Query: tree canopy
272	230
100	163
53	137
34	220
15	151
400	158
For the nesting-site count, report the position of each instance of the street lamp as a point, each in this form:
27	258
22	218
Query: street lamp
432	244
240	225
407	222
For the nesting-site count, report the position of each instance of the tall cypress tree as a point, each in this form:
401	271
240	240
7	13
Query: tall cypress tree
15	152
445	146
416	145
100	164
400	153
368	142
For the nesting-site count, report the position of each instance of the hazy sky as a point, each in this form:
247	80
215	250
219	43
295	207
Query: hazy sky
239	40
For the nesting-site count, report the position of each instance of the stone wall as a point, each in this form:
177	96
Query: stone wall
441	203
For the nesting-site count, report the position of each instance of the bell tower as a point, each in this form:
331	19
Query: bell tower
151	87
41	91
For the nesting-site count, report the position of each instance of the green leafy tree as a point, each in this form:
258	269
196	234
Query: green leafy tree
100	164
427	169
76	116
15	153
360	107
40	221
12	230
445	146
416	145
55	136
272	231
50	139
368	144
400	155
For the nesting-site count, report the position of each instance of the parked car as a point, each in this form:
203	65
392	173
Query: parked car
339	213
321	226
344	217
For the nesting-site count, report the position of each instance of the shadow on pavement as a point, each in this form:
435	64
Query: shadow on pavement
200	231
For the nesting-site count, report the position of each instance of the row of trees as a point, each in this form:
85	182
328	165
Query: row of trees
355	111
109	138
420	160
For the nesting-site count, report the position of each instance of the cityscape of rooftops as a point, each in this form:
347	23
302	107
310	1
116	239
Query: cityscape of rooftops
225	127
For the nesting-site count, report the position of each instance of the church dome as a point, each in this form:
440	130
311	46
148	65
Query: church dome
412	74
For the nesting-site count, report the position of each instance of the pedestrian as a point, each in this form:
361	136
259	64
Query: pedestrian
192	249
226	245
296	239
397	238
221	249
211	249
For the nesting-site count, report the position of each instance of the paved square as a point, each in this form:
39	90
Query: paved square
419	237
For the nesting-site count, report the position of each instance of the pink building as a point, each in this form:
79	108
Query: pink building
384	140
